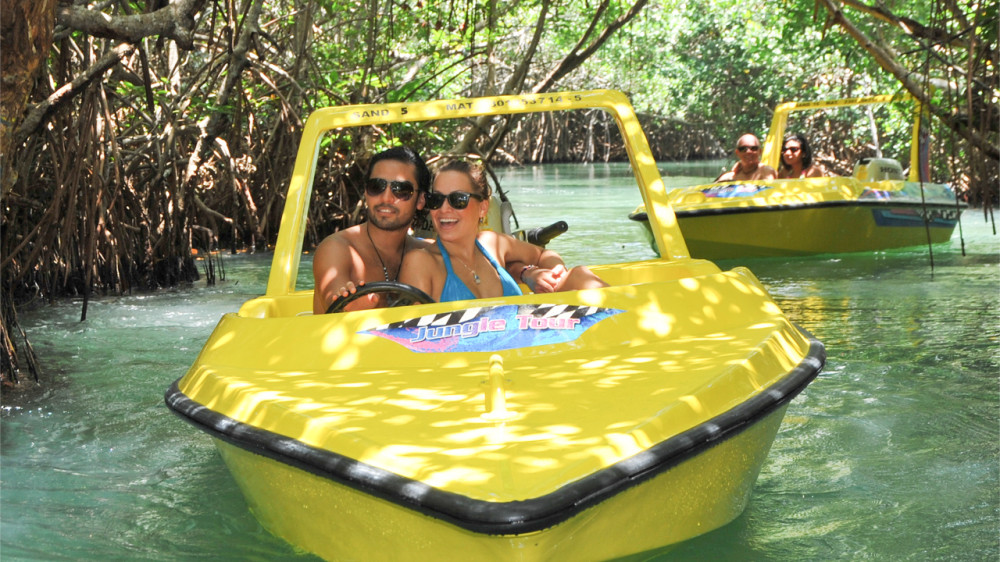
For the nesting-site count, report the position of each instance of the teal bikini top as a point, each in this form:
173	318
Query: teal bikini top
455	290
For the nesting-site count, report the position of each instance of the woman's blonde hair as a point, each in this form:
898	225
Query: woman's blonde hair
475	171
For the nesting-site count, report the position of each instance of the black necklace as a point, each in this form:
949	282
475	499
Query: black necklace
385	270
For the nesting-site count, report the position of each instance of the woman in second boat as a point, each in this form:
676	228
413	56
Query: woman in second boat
489	264
797	159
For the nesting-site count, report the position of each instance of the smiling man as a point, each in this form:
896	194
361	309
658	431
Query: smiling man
395	185
749	166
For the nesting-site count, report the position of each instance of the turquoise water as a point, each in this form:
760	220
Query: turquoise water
892	453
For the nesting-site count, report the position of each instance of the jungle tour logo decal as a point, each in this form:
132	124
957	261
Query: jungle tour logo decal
493	328
734	190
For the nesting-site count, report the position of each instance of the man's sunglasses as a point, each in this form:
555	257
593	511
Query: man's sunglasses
401	190
457	199
746	148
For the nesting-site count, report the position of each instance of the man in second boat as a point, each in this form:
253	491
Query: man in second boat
395	184
749	166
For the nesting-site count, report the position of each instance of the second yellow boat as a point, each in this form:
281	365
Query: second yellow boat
878	207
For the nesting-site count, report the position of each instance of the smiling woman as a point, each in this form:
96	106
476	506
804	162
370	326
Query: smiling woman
492	263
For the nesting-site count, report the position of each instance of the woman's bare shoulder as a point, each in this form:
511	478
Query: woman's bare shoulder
814	171
423	255
493	241
488	235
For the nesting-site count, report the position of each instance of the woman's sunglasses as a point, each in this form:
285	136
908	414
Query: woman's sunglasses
401	190
457	199
792	149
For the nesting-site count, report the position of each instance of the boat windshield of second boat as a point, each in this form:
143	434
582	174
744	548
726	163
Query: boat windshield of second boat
885	197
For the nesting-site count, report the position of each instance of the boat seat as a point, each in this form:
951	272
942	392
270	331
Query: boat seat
878	169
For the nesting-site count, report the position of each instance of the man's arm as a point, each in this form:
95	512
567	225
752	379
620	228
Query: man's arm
333	267
729	175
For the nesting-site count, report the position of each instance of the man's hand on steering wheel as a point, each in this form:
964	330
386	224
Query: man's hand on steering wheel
394	293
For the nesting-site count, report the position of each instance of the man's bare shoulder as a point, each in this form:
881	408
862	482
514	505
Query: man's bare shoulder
420	263
349	235
342	240
338	251
765	172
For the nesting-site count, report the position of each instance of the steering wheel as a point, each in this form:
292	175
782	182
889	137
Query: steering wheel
396	294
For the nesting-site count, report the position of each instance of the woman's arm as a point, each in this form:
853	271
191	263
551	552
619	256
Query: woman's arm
538	279
508	250
540	269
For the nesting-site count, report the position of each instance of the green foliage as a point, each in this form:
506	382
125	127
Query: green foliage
727	66
719	66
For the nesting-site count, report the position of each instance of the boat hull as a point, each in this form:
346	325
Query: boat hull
813	230
876	208
645	429
833	221
338	522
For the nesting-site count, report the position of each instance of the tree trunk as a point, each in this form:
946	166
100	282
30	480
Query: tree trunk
25	42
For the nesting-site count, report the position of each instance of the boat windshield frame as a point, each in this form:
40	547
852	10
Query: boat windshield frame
771	154
288	247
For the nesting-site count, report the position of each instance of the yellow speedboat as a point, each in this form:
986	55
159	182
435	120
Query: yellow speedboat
873	209
582	425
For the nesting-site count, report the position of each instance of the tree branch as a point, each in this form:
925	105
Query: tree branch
42	110
576	57
238	61
909	26
174	21
887	62
513	84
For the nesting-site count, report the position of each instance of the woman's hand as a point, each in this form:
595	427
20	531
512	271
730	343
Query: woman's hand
545	280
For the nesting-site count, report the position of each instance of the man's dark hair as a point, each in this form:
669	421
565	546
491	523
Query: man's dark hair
409	156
